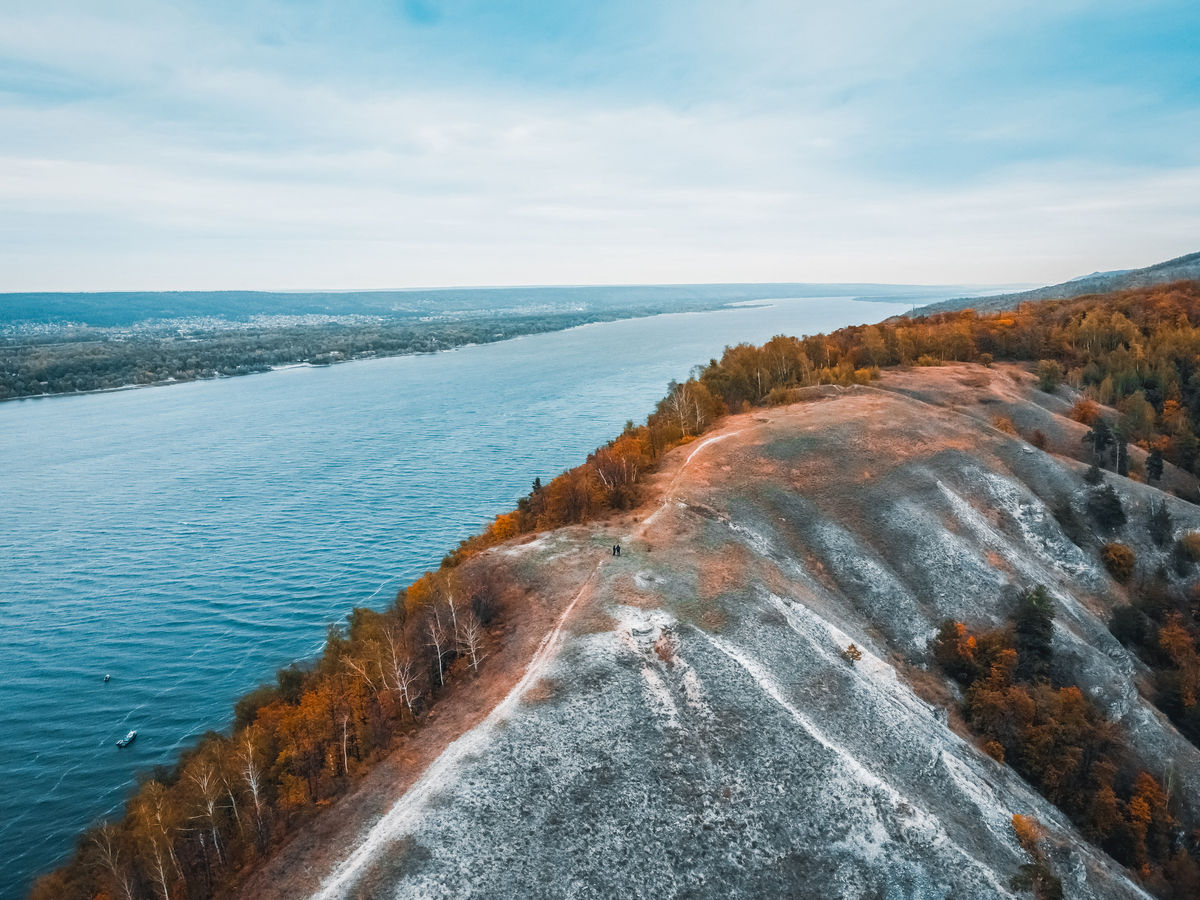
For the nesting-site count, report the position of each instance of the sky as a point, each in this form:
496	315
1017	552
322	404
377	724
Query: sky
403	143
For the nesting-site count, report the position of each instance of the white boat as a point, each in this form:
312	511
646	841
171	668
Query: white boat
127	740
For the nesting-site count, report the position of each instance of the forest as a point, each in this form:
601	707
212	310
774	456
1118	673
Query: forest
193	830
1028	713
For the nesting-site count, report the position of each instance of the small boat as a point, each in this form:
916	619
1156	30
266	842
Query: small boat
106	677
127	740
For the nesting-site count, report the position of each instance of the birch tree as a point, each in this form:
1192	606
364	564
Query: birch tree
400	667
153	830
438	640
253	776
208	789
106	840
470	639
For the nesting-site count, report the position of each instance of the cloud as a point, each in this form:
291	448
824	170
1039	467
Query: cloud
362	145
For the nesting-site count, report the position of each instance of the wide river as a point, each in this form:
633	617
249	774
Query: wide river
188	540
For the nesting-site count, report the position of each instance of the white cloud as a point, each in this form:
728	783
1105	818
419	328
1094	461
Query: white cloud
201	157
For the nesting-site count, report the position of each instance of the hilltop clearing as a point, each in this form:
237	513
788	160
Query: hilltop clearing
686	719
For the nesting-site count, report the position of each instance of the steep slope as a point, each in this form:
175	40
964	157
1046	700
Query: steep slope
681	720
1182	268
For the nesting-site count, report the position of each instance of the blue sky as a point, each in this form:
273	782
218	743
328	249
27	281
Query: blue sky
371	144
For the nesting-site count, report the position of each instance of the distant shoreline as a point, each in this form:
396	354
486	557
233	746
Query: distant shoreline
422	339
574	321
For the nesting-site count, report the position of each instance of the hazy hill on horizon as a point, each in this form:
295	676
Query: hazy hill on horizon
1181	268
112	309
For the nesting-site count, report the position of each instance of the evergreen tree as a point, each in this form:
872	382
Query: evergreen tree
1161	526
1099	437
1093	476
1154	465
1122	457
1105	507
1033	624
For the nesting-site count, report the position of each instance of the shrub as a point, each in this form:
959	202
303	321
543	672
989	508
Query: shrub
1039	439
1029	832
1119	560
1085	411
927	360
780	396
1003	423
986	359
1190	542
1050	375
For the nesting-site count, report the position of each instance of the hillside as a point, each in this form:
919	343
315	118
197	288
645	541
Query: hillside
681	720
1182	268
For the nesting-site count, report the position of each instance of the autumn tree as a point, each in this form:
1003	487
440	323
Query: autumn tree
955	650
1119	560
109	844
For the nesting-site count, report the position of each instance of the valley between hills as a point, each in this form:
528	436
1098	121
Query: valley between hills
685	719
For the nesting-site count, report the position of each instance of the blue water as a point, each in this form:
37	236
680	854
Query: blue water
191	539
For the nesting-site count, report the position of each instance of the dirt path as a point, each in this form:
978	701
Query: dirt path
668	494
399	818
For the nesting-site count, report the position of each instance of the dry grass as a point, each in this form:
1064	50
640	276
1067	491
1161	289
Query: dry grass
544	691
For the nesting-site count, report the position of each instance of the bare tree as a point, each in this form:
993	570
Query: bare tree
155	836
439	641
233	804
400	667
362	668
345	733
370	670
159	868
205	781
470	639
679	402
252	774
108	848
